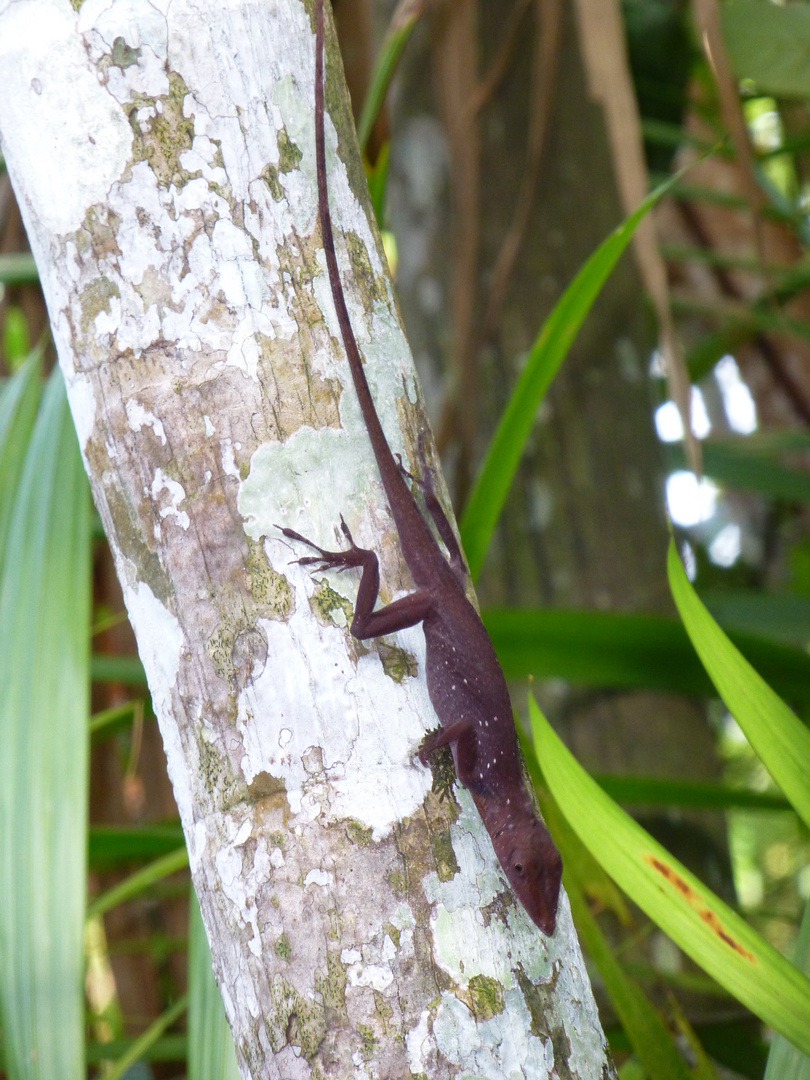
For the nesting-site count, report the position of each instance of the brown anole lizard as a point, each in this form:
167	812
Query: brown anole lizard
465	682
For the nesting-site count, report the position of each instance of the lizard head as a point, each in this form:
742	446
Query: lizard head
534	869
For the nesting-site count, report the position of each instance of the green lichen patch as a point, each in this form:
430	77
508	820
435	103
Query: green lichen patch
562	1052
271	789
398	883
270	589
123	55
398	664
270	177
282	948
487	997
370	286
162	133
332	988
95	298
446	863
238	649
393	932
293	1020
289	156
215	769
536	998
368	1040
357	833
219	648
384	1011
329	607
130	532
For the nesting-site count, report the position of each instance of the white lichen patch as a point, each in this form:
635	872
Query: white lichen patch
160	645
239	888
275	493
343	760
82	406
314	695
501	1046
52	56
160	641
139	417
176	494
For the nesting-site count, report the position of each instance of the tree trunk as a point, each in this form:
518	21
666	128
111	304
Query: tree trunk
166	171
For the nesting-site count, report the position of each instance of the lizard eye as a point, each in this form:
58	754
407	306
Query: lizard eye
518	868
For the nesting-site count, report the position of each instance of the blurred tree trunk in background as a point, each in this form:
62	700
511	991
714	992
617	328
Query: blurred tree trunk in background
585	525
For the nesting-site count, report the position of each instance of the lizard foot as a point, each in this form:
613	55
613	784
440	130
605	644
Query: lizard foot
327	560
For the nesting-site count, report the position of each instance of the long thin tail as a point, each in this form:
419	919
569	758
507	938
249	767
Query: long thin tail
385	460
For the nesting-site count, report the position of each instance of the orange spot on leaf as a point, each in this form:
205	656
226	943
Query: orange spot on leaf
696	902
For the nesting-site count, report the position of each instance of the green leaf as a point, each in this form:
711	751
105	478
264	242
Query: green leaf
544	360
141	1046
138	882
163	1048
777	735
44	704
16	336
112	845
211	1053
384	68
19	401
768	43
785	1062
641	1021
698	921
600	648
18	268
663	791
124	669
745	465
782	617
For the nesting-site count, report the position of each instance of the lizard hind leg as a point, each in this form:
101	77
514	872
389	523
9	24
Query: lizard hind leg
445	530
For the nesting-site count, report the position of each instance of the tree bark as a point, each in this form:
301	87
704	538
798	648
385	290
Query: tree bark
164	163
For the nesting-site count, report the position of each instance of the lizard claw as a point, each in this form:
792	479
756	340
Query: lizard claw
344	528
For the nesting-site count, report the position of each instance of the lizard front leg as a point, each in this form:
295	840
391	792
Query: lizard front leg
367	623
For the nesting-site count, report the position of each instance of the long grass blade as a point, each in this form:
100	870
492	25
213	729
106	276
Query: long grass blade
780	739
785	1062
19	401
384	68
138	882
211	1053
707	929
44	705
140	1046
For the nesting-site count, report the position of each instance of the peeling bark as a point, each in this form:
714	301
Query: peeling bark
164	160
